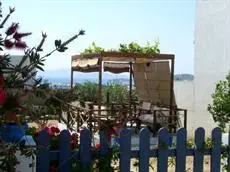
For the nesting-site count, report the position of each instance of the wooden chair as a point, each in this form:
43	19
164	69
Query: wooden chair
145	116
144	108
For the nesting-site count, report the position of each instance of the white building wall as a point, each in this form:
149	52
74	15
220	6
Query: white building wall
212	53
184	94
15	60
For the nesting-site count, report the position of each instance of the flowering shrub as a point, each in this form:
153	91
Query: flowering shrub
15	93
54	133
13	39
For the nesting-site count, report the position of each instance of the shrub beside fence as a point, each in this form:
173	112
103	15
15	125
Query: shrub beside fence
86	154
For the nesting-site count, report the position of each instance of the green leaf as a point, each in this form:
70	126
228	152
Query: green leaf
40	68
132	47
40	63
219	108
57	43
62	49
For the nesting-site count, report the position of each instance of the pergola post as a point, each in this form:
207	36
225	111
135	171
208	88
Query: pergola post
99	90
130	87
171	93
71	78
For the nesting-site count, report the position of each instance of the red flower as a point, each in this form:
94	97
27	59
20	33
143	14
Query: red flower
17	103
12	29
3	96
18	36
52	168
8	44
74	136
55	130
20	45
74	142
98	146
112	131
25	110
52	129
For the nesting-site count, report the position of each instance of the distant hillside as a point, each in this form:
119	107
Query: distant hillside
182	77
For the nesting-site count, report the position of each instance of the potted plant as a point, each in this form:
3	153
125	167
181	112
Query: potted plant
13	127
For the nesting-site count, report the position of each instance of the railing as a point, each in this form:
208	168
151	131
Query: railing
170	121
162	152
115	113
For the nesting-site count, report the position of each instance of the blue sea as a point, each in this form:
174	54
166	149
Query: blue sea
65	82
62	77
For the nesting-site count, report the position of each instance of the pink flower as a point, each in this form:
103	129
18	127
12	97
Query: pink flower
12	29
18	36
3	96
8	44
20	45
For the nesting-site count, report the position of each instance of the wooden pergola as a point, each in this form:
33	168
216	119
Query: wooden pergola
119	62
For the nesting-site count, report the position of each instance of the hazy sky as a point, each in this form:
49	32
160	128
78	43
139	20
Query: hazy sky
109	23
